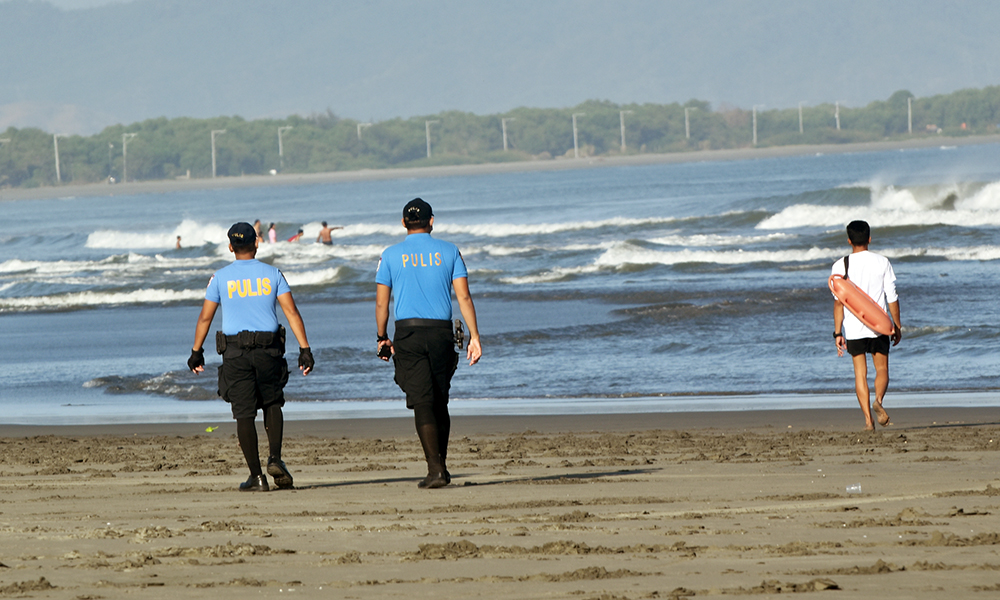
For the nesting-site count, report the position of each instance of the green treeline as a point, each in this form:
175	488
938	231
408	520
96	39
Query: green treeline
170	148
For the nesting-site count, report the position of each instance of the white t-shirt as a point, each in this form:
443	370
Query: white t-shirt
873	274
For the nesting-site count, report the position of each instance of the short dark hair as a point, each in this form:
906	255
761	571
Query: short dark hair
859	233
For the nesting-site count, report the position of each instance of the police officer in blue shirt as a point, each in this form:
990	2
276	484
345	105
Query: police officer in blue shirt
252	344
420	272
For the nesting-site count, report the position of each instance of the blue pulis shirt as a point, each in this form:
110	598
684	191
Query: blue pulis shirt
248	291
420	270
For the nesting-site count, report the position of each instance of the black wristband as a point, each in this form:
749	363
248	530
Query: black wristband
837	334
381	338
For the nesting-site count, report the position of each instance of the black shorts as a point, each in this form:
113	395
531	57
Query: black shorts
251	379
875	345
425	359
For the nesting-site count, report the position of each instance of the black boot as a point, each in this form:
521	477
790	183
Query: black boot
428	435
255	483
282	476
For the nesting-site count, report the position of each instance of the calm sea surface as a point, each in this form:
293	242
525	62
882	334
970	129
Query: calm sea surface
696	286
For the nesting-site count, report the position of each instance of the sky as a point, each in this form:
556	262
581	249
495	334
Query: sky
76	66
74	4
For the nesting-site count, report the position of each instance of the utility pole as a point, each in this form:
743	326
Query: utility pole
755	122
215	132
360	127
687	122
427	132
281	148
503	127
621	118
576	146
836	114
125	138
800	118
111	148
55	142
909	114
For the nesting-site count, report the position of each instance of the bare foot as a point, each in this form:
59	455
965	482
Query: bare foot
869	428
883	417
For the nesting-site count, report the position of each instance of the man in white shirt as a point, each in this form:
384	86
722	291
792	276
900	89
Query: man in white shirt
873	274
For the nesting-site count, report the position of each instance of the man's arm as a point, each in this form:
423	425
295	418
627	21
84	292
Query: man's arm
295	322
838	324
474	350
208	309
897	333
383	293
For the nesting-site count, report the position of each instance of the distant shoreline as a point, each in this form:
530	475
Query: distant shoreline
167	186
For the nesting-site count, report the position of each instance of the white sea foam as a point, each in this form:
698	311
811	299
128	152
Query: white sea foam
629	254
81	299
192	234
498	250
499	230
319	277
131	262
494	250
835	216
718	240
624	254
551	275
961	205
286	254
976	253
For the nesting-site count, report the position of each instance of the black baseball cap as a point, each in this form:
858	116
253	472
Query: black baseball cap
417	210
242	234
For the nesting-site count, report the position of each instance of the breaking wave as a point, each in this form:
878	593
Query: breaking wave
960	205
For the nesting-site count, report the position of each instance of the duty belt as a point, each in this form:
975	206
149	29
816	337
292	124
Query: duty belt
424	323
250	339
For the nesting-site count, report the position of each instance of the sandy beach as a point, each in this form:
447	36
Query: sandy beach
165	186
593	507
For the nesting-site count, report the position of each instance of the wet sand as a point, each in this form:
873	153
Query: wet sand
166	186
592	507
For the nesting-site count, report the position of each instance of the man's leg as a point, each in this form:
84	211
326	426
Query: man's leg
443	362
415	378
881	362
427	431
274	425
443	420
237	377
861	388
272	375
246	433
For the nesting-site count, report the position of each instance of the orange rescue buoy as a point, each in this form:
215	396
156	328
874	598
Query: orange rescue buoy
861	305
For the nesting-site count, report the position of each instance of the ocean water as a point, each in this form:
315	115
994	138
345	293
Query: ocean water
697	286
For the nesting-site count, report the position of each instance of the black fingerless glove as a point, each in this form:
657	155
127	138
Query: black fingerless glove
306	358
197	359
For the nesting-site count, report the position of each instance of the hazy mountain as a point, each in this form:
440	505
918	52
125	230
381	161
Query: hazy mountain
78	70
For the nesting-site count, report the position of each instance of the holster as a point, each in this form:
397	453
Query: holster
220	342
